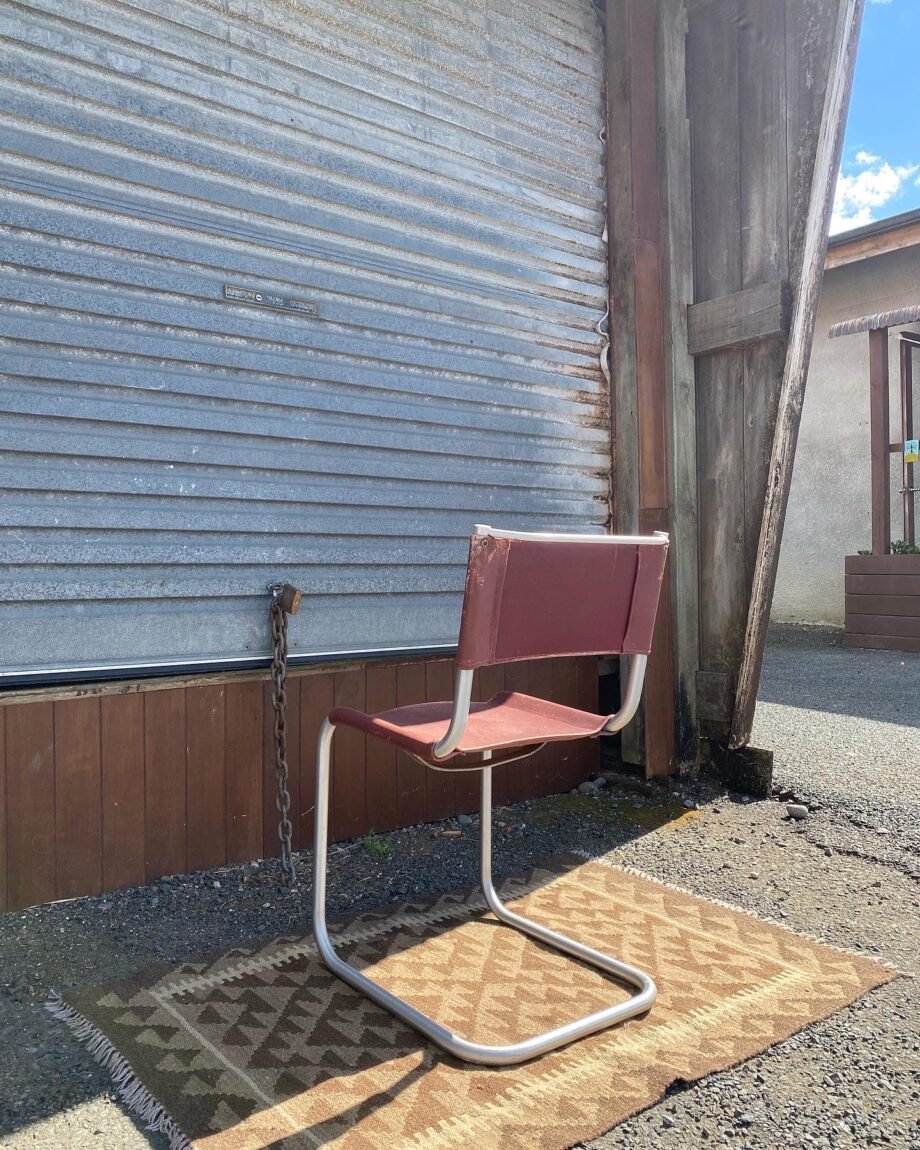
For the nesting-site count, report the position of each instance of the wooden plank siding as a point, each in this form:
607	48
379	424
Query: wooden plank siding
679	375
111	785
892	625
715	126
884	584
77	798
122	759
30	827
639	269
882	602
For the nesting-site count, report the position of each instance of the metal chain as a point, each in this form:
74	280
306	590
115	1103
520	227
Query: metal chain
284	599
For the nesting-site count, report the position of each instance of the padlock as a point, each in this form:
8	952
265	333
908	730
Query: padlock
289	597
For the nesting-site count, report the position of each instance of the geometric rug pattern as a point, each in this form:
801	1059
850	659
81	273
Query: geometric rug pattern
263	1047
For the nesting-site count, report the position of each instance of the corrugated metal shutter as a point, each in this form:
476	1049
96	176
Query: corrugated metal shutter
427	176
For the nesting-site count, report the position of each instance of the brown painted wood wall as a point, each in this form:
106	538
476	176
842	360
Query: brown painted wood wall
883	602
112	786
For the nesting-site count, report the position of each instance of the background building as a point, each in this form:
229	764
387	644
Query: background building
870	269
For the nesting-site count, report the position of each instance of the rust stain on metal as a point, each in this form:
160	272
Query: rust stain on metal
880	319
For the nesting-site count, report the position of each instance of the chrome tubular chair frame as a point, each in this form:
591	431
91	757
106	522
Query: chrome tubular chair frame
453	1043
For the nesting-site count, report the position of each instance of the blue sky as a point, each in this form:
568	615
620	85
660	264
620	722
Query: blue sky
880	170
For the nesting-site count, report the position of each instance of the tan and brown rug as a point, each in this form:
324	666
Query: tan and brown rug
263	1047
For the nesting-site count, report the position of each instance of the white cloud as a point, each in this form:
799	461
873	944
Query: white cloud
860	193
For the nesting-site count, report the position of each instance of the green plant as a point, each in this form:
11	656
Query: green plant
899	547
377	846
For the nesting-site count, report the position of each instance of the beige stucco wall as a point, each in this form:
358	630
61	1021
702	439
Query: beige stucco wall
829	513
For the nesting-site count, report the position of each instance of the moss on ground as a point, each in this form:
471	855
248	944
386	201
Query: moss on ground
607	812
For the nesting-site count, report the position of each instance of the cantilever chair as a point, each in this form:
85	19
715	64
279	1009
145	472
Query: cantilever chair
528	596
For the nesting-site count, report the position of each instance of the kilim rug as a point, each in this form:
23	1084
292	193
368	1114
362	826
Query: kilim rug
264	1047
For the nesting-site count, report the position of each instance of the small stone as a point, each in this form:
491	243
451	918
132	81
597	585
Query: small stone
882	831
828	852
216	885
465	820
599	782
689	804
587	788
796	811
667	1122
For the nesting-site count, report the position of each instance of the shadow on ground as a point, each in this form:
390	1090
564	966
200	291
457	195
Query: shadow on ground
879	685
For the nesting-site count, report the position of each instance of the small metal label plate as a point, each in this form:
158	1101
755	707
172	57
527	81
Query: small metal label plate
269	299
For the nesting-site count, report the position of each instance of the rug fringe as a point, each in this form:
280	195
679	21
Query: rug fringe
132	1092
605	860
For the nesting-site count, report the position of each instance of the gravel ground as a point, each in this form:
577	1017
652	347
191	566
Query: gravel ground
843	724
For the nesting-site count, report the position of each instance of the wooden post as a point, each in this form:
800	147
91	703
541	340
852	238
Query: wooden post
879	435
621	262
651	402
679	371
907	432
792	393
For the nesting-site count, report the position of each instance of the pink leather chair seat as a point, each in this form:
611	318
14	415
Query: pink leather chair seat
508	719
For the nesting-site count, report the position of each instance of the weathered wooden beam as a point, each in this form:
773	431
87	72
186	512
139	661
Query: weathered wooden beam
640	410
715	694
651	400
745	316
621	261
679	370
878	440
748	769
827	160
715	132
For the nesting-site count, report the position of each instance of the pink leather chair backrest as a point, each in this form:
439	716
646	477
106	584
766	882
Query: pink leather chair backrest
532	599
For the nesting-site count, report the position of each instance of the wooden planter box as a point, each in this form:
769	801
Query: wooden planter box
883	601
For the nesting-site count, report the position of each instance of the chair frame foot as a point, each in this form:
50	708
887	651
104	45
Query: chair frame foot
454	1044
